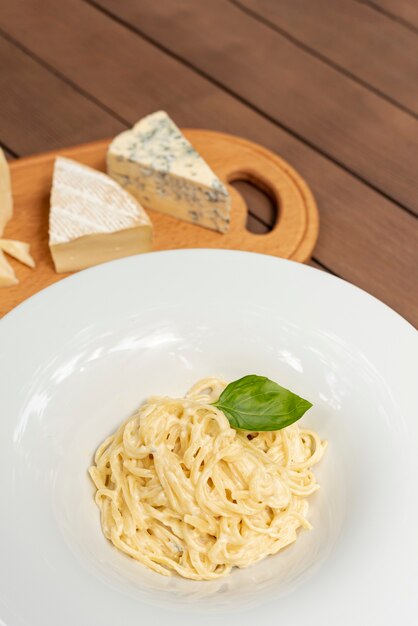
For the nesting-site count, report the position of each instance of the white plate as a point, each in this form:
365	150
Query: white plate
78	358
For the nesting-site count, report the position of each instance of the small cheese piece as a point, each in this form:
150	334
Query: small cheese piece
156	163
18	250
92	219
6	200
7	275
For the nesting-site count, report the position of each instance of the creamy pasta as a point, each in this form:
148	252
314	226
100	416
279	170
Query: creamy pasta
181	491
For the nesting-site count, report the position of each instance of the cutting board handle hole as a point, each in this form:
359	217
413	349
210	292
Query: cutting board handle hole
262	207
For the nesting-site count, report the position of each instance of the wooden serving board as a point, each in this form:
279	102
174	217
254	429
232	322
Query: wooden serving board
232	158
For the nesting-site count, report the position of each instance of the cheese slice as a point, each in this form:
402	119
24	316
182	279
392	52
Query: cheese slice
92	219
6	200
7	275
18	250
156	163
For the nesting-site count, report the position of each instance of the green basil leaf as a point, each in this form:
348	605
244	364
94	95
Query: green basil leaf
257	403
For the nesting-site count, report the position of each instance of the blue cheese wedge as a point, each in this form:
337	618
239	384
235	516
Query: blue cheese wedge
156	164
92	219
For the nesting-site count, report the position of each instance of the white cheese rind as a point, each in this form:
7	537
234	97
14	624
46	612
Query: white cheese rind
87	202
93	220
156	163
6	199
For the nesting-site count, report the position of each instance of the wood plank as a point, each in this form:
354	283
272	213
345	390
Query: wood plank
357	128
406	10
395	250
40	111
369	45
354	240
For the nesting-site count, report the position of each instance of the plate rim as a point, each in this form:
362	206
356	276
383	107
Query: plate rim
97	269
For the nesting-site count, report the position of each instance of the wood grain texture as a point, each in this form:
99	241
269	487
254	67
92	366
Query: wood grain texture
40	111
357	128
293	236
367	44
364	237
407	10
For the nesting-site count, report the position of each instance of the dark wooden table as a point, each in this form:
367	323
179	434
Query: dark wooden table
330	86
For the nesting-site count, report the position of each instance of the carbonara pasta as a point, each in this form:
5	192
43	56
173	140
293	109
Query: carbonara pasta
180	490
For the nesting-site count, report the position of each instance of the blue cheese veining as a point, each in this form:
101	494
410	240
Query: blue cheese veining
156	163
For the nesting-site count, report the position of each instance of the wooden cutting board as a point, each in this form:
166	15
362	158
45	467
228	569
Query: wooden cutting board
232	158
